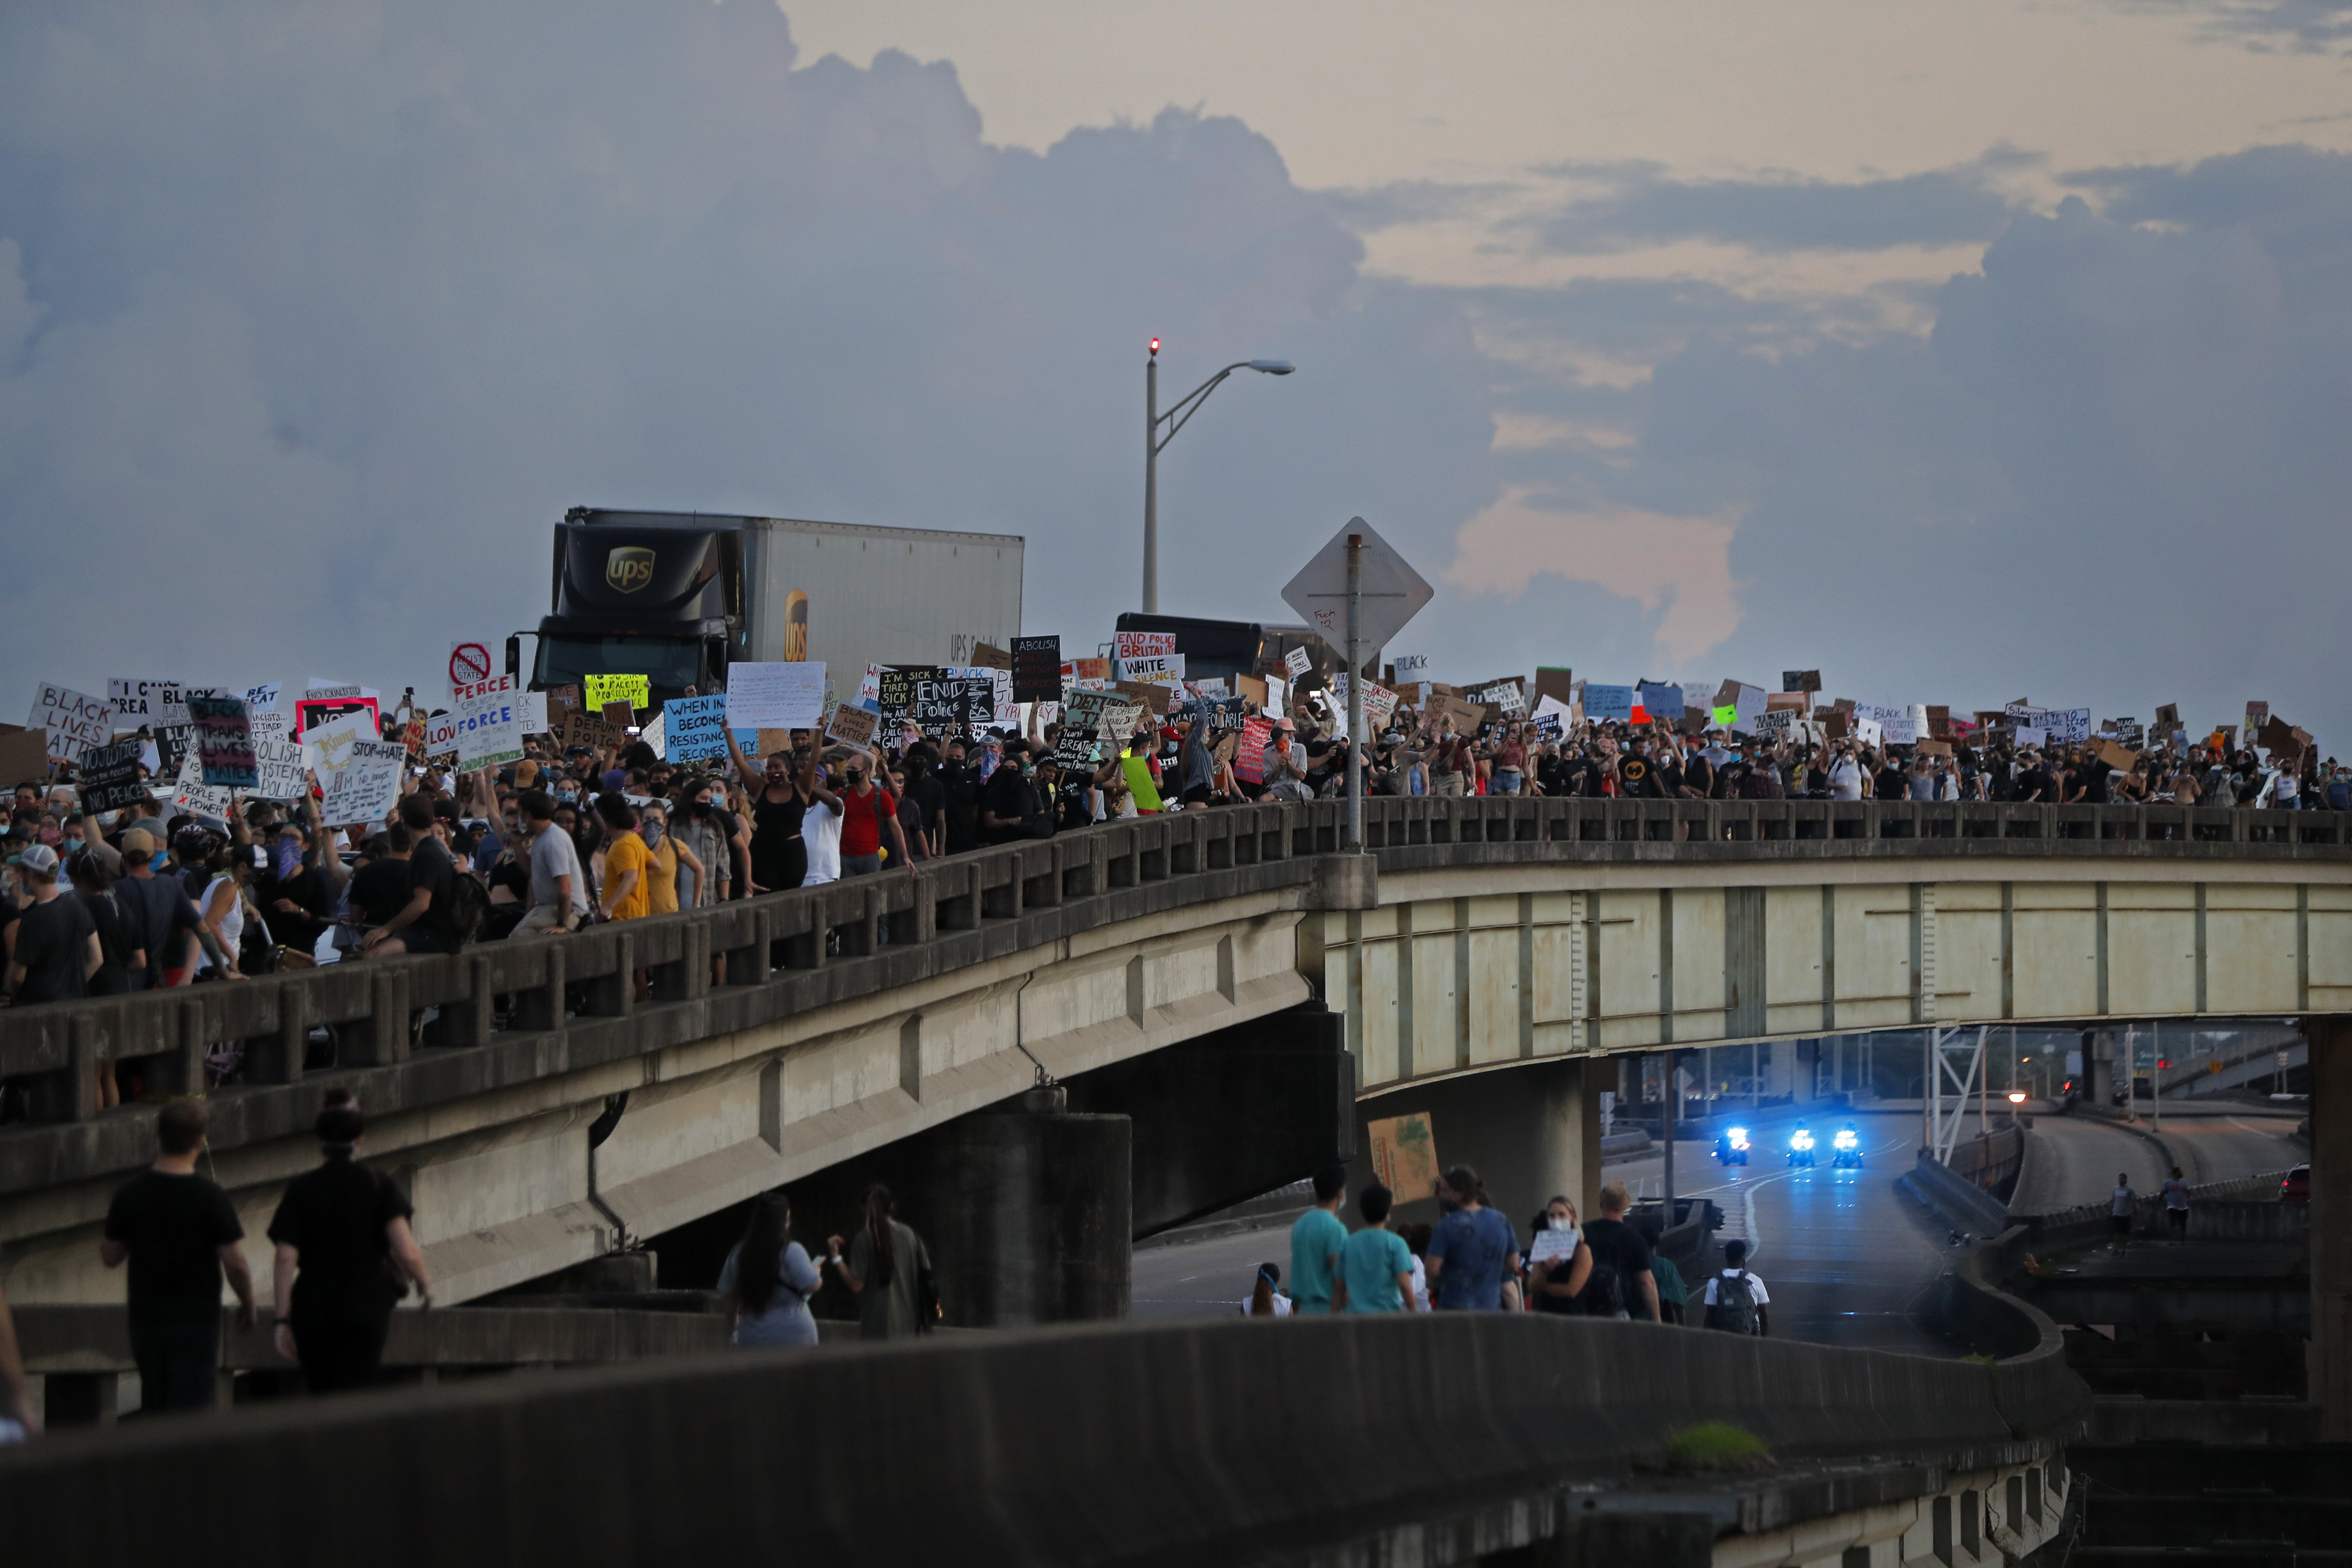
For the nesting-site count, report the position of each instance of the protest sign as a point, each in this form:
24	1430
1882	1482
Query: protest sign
366	786
109	778
73	722
694	729
1404	1155
440	738
277	758
224	753
1662	700
2031	735
988	656
2257	715
1249	756
2168	718
1143	644
775	696
1801	681
327	746
1151	696
897	688
1935	748
636	691
852	726
469	665
262	698
1776	724
314	711
149	703
1037	669
1552	680
532	705
1794	702
190	793
589	730
171	742
1298	661
2116	756
1608	703
655	729
620	716
1159	668
490	724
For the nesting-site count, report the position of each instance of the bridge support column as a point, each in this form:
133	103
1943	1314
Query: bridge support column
1529	1132
2329	1370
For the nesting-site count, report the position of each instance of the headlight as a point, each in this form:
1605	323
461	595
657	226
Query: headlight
1846	1139
1800	1141
1738	1137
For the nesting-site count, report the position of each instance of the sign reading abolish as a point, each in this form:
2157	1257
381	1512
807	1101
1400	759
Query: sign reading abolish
636	691
1037	669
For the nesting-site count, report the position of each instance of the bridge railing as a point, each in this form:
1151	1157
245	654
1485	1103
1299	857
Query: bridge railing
510	1011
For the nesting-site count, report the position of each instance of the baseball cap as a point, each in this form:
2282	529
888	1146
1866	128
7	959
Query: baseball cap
139	844
38	858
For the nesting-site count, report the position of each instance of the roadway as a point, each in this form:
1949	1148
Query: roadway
2074	1159
1846	1257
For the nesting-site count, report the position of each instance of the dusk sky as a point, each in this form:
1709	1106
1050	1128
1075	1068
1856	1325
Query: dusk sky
1966	351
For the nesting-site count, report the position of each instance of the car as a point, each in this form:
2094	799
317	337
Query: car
1731	1148
1801	1147
2295	1186
1845	1149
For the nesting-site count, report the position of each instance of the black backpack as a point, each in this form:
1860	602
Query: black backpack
469	905
1734	1303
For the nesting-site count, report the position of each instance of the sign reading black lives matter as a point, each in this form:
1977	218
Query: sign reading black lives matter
1037	669
109	779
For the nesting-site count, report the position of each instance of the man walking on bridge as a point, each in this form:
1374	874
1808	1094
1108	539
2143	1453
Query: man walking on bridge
179	1233
1316	1242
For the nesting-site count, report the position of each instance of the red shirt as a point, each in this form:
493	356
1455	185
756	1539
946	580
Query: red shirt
861	833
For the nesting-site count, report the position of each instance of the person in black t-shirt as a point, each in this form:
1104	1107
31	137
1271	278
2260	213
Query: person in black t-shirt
1009	799
57	948
180	1235
428	923
380	887
343	1246
1619	1284
959	801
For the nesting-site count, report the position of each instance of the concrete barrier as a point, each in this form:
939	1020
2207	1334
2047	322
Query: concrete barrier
1227	1442
1960	1200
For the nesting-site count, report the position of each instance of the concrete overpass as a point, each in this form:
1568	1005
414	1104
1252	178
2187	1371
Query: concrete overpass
1172	974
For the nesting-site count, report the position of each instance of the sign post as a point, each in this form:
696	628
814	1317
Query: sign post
1360	588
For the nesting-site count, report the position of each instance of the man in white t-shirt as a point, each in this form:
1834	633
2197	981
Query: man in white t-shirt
2176	1205
1736	1300
559	888
2119	1213
821	826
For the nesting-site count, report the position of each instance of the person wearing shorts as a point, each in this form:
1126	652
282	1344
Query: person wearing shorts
2119	1213
2176	1205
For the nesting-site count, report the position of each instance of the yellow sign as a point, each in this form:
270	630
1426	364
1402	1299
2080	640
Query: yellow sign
636	691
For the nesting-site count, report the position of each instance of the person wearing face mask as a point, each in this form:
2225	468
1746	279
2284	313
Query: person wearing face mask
164	920
1009	802
1558	1260
671	859
869	819
782	805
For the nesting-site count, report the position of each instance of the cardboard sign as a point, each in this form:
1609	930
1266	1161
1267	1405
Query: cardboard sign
1151	696
1803	681
620	715
775	696
224	755
2118	757
588	730
1935	748
1661	700
73	722
694	729
852	726
1158	668
1405	1155
108	777
636	691
1554	681
1037	669
2168	718
988	656
1298	661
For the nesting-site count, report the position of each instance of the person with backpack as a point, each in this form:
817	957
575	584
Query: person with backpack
767	1280
1619	1284
1736	1300
1473	1250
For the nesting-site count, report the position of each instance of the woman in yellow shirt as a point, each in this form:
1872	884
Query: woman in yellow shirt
668	856
627	892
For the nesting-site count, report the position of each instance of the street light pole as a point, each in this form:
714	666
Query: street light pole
1154	443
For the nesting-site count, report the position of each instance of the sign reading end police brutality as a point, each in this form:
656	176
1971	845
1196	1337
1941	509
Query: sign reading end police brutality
489	722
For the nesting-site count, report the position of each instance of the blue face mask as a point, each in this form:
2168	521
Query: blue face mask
162	857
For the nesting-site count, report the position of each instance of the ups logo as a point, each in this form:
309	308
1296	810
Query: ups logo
629	568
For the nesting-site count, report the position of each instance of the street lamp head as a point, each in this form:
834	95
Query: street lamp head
1272	366
1155	348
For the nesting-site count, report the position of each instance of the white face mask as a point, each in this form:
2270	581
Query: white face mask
1561	1222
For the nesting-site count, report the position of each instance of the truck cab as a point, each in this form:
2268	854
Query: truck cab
654	593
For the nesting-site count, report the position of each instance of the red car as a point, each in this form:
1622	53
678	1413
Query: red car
2296	1187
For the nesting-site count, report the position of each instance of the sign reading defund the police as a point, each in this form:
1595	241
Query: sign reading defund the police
489	722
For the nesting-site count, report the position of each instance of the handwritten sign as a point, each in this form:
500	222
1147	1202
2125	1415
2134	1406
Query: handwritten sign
852	726
1143	644
190	793
1298	661
589	730
108	776
789	695
1404	1155
694	729
1037	669
73	722
636	691
278	757
366	786
1608	703
148	703
224	755
489	722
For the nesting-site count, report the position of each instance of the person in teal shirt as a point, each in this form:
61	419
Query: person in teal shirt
1376	1264
1316	1242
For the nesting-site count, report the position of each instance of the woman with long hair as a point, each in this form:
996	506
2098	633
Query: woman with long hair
1266	1299
886	1264
767	1280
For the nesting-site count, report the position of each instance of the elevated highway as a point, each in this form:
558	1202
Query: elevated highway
1172	974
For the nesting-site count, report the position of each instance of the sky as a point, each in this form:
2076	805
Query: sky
1963	351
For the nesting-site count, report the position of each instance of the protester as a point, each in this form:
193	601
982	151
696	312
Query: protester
1619	1284
1673	1295
559	888
345	1257
1317	1240
626	886
1472	1250
180	1235
1265	1297
1375	1266
886	1268
2176	1205
767	1280
1736	1300
1558	1268
427	921
2120	1202
54	946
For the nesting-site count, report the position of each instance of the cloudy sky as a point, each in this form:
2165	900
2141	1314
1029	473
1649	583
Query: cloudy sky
1966	351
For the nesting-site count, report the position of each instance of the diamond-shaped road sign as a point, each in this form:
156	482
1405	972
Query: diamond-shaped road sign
1389	592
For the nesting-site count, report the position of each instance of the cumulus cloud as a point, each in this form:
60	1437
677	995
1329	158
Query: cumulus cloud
2301	24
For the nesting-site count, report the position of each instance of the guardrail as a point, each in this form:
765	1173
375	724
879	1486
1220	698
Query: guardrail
789	952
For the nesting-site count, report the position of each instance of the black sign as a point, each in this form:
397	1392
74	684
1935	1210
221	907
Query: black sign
171	743
1226	715
959	701
1037	669
1801	681
110	779
897	688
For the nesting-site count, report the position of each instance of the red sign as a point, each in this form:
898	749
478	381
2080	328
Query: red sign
469	663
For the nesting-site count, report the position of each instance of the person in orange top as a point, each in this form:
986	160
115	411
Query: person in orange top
628	865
